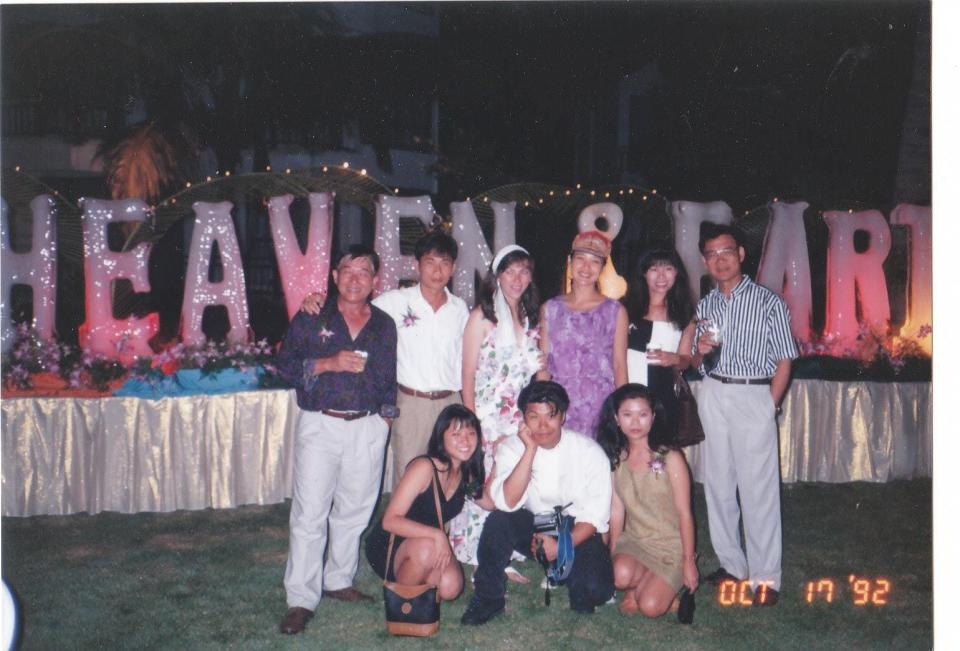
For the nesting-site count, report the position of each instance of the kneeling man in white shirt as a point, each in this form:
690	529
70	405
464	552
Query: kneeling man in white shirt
543	467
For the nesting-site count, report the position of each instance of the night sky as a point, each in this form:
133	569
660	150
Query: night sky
748	100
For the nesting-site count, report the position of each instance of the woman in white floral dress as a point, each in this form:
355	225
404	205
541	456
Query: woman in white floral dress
500	354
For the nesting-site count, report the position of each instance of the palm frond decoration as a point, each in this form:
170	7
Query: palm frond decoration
148	161
349	185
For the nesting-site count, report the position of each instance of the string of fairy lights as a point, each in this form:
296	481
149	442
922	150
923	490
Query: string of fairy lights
576	191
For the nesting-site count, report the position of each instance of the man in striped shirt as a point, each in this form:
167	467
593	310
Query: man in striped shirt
744	347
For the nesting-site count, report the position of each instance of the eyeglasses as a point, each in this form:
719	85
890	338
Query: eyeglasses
717	253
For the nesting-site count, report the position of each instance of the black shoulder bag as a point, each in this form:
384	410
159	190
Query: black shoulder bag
412	610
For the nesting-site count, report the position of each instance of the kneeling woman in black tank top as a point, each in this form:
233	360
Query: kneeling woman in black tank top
422	551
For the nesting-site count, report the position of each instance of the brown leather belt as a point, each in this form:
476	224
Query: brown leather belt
346	415
429	395
740	380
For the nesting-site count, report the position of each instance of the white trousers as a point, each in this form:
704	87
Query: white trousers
741	451
336	480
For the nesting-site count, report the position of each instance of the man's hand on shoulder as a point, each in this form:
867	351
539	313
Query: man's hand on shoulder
312	303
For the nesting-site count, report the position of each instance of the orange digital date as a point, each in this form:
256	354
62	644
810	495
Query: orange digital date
864	591
732	593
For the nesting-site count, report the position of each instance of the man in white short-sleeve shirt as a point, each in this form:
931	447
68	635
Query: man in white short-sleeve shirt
543	467
430	322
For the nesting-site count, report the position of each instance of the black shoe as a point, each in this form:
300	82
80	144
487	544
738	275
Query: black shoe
719	576
765	596
480	611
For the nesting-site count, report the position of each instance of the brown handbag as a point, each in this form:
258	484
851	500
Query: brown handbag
412	610
689	429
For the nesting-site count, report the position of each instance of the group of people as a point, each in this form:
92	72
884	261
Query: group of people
515	408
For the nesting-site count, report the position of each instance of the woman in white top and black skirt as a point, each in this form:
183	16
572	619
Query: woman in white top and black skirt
661	329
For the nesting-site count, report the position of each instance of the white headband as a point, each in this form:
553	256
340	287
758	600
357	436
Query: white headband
502	253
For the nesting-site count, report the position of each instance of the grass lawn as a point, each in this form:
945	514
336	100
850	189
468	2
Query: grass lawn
214	579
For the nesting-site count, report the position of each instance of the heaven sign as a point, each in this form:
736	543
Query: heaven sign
856	285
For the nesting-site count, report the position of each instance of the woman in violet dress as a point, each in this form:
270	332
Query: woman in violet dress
661	329
584	335
500	355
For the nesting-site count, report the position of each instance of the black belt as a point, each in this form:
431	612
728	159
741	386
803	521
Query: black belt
346	415
740	380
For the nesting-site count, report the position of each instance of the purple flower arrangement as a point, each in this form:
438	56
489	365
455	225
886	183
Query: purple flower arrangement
30	354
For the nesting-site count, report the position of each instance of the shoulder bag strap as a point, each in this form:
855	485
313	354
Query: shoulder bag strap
436	501
436	495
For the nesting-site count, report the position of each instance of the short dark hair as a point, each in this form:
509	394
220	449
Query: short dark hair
711	231
359	251
438	242
544	392
472	471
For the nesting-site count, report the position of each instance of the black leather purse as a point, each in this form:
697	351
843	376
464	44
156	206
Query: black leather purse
412	610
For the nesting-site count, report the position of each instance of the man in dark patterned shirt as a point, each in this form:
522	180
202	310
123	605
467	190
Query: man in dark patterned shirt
343	364
743	339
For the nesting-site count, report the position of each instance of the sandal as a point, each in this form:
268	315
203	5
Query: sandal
513	574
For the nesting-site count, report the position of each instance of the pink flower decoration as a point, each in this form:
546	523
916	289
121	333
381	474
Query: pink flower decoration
657	464
410	319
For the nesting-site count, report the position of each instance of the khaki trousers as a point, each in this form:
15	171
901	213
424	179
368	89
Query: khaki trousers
741	453
412	428
336	480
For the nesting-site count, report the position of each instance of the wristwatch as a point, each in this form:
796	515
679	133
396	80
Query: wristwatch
389	411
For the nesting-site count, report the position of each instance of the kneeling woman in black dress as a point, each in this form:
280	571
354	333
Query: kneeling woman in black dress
422	551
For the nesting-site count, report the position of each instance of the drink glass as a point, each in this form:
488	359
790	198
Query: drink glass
363	354
714	329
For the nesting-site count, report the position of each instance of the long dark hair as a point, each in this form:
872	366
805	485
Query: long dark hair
612	439
529	304
679	300
471	471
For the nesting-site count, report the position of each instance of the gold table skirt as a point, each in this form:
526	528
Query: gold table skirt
851	431
72	455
